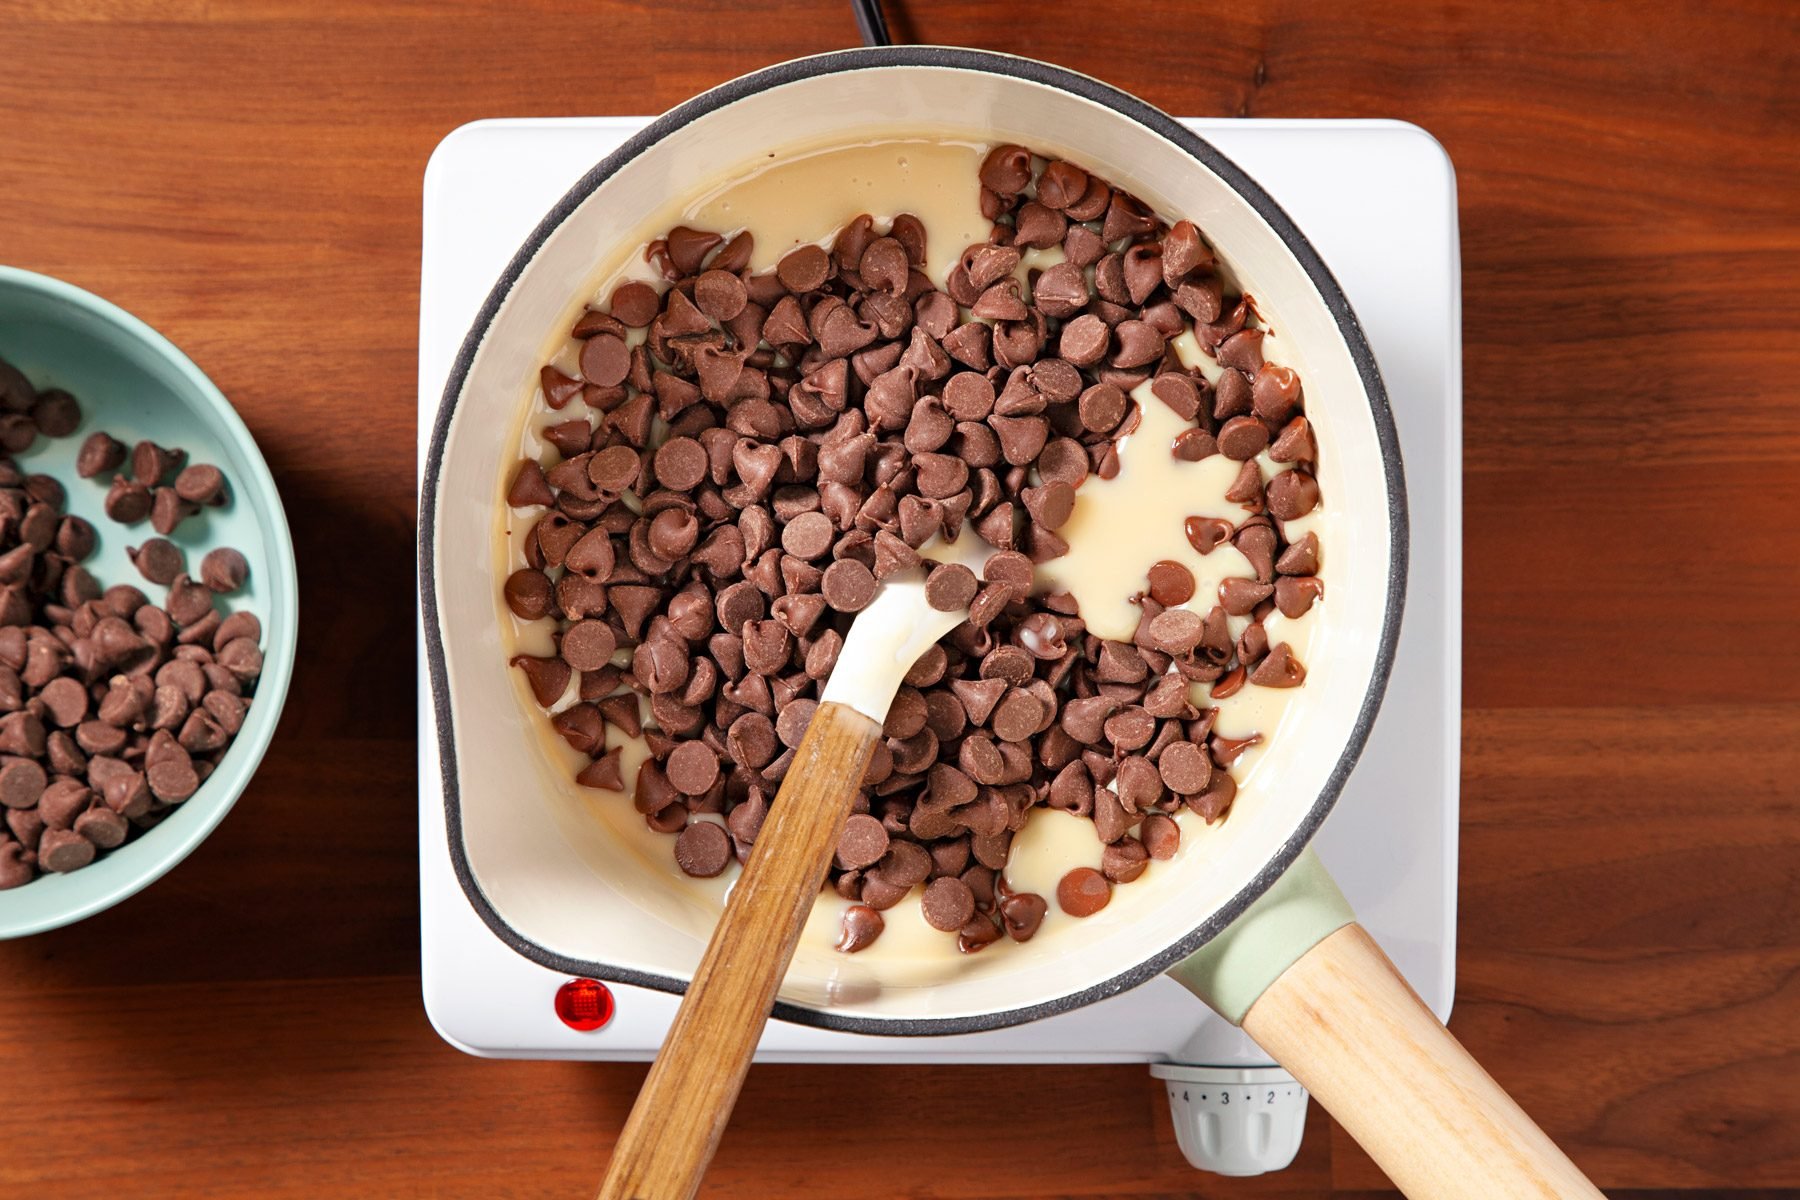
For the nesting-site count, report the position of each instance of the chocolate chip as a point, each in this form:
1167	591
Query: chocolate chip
862	843
687	247
1185	768
720	295
126	502
223	570
17	433
547	677
848	586
1252	644
948	904
582	726
672	533
64	850
1205	533
1170	583
804	269
661	663
1021	438
703	849
1193	445
1061	184
970	344
171	777
1131	728
635	304
1142	270
1161	836
1255	540
614	469
560	390
1280	669
1240	596
590	555
860	926
949	587
1124	860
604	772
168	511
65	701
1292	494
1180	392
1022	913
1038	225
1138	344
202	484
1006	169
884	265
1242	351
1083	892
103	827
150	463
1061	291
1247	488
1274	392
1301	558
588	645
56	413
1176	631
1084	340
160	561
1242	438
1231	396
692	768
1295	443
1018	716
99	454
1102	407
1295	594
22	782
1183	253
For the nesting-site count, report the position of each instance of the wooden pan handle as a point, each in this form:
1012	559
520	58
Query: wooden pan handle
1345	1023
687	1099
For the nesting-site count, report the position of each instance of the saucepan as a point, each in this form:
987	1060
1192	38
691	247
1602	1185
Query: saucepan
1247	919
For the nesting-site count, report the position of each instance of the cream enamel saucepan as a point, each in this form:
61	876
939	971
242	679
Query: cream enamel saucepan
1252	925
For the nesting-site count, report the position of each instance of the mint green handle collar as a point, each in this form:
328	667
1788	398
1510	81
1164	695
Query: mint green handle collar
1232	971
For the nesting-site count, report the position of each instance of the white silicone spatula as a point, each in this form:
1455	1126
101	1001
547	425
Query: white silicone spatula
687	1099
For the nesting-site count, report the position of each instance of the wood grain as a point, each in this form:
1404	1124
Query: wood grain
686	1101
1345	1022
246	176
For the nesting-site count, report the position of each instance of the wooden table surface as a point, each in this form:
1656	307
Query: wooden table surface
246	176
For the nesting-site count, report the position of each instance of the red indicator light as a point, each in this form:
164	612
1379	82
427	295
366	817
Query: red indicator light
584	1004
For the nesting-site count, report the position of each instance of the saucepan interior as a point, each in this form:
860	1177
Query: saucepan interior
557	871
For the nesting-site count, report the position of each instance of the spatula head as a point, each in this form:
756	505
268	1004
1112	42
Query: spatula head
898	626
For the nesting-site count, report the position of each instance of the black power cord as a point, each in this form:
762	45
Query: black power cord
871	23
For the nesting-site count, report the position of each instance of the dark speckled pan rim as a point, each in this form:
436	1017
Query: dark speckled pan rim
1128	107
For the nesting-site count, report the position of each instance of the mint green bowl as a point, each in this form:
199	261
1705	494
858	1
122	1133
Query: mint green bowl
134	384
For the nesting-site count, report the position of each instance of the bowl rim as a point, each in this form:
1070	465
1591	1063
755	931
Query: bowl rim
1127	106
221	790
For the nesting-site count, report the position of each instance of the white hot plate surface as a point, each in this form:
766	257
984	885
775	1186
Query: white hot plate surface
1378	200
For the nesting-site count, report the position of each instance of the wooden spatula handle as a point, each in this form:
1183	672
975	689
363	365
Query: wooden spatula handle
687	1099
1346	1024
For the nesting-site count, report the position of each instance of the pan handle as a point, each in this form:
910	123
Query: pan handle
1316	992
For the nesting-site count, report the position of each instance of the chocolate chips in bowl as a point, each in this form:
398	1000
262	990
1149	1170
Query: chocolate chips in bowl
734	458
146	605
116	707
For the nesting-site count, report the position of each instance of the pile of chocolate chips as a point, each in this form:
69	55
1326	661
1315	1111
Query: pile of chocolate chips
744	477
115	709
